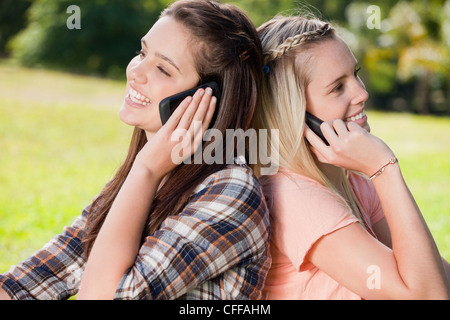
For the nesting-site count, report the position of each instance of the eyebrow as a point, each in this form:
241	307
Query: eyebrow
336	81
340	78
161	56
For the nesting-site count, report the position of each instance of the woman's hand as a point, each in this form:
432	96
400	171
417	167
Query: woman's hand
183	132
351	147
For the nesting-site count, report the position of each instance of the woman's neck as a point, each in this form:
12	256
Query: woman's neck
149	135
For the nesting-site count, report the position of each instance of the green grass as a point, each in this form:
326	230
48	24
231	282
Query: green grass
61	140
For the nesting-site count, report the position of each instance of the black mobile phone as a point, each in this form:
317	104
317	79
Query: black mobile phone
169	104
314	124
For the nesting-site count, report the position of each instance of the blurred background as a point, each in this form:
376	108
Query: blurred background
405	55
62	80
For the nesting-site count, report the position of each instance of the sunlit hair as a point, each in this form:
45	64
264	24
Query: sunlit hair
288	47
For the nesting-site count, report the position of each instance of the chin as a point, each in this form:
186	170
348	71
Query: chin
149	122
126	117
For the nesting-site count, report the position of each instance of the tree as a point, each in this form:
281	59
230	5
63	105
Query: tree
407	58
109	36
12	20
423	56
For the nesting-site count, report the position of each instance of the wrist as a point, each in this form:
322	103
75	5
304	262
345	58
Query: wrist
145	172
393	161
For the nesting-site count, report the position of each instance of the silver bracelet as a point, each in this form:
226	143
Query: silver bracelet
376	174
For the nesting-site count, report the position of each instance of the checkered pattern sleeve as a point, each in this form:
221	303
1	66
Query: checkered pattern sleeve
216	248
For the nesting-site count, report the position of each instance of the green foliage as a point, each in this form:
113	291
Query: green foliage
411	50
406	61
108	38
12	20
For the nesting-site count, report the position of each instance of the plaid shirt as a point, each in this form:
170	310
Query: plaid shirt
216	248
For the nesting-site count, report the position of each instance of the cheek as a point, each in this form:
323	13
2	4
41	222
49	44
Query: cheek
327	108
164	87
158	86
318	106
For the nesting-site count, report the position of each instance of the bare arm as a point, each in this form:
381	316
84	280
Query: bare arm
418	259
384	235
412	269
117	244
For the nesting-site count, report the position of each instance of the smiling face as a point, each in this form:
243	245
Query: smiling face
335	90
164	66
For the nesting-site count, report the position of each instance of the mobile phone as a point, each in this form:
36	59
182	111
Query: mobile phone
314	124
169	104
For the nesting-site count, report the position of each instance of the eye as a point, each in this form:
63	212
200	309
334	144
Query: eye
163	71
338	88
140	53
357	70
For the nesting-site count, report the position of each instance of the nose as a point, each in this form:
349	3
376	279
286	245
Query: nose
136	71
360	93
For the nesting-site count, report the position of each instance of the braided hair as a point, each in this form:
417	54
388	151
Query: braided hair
295	41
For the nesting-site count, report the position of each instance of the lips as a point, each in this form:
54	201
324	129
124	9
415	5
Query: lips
138	97
356	117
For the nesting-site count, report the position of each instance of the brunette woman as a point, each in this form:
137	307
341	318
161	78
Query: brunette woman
160	230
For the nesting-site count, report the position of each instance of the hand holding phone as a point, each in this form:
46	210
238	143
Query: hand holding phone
169	104
314	124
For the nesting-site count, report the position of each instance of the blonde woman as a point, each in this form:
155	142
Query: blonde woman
336	234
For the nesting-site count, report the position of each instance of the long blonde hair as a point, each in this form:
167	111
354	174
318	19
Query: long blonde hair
287	42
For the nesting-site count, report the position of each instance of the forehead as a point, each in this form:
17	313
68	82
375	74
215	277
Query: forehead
331	59
170	38
168	26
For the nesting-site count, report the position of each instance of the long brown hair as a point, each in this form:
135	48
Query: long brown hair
226	49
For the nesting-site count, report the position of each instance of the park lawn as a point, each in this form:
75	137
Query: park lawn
61	141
